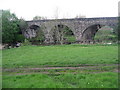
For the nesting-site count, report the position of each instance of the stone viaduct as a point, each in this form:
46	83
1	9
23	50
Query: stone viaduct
84	29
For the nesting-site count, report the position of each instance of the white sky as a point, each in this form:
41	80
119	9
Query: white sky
27	9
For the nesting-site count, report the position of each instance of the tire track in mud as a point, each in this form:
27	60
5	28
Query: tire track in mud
87	68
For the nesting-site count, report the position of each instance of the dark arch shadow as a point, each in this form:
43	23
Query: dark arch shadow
35	27
89	33
62	34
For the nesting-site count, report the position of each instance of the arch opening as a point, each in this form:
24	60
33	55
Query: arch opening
98	33
36	35
62	34
89	33
35	27
105	34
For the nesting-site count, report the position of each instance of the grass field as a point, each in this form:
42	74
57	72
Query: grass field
61	66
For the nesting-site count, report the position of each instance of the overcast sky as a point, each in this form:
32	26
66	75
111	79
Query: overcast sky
27	9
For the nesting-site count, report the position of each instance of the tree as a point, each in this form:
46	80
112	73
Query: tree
118	29
62	34
39	18
80	16
39	39
0	26
22	24
11	32
58	30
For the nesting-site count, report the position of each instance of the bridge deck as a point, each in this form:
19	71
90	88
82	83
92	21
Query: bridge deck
83	19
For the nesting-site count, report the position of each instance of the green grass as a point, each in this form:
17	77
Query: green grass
105	36
61	55
35	56
98	80
70	38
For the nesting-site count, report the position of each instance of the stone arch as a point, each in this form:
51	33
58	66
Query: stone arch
35	34
31	31
89	33
61	34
